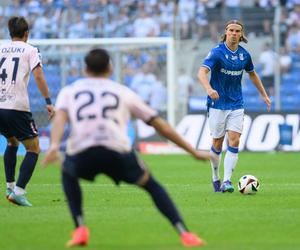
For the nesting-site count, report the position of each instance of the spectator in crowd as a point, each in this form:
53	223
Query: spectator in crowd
45	26
285	61
158	98
291	3
231	10
186	15
78	28
268	14
185	84
294	16
267	60
293	39
143	82
200	20
213	10
283	27
145	26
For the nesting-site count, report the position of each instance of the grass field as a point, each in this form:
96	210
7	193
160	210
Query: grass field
124	218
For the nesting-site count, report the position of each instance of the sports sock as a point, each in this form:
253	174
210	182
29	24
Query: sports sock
11	185
73	194
19	191
230	161
215	163
10	160
165	205
27	168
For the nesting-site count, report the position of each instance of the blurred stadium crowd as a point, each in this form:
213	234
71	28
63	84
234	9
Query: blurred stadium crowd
132	18
188	20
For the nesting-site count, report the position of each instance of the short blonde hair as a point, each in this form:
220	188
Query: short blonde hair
242	39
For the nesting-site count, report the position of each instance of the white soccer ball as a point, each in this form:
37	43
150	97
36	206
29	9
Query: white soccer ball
248	184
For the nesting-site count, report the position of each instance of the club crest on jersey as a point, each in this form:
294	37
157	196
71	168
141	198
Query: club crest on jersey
208	55
241	57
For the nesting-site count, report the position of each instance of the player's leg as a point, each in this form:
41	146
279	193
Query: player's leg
167	207
215	162
216	121
134	171
7	129
83	165
230	160
26	170
73	194
234	129
10	160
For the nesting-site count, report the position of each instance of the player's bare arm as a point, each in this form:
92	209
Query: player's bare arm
43	87
258	84
163	128
57	131
202	77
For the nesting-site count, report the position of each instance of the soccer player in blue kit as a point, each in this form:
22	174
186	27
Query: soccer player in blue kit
226	62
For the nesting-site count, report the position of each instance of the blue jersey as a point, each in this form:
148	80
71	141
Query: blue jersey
227	68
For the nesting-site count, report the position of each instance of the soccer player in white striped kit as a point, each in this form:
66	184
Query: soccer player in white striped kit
225	104
17	60
98	110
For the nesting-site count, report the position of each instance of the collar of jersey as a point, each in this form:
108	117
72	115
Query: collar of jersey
230	49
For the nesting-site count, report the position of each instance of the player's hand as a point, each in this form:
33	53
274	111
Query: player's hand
213	94
52	156
51	111
203	155
268	102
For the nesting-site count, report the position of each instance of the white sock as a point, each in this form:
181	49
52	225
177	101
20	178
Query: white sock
215	164
19	191
11	185
230	161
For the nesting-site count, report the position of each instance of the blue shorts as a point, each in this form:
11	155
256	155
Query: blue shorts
87	165
19	124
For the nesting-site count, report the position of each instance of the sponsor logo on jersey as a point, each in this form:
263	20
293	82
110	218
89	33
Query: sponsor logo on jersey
231	72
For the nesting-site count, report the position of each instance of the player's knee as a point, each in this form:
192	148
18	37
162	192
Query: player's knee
32	145
144	179
217	144
34	149
12	142
234	142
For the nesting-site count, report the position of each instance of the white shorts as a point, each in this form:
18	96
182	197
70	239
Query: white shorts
221	121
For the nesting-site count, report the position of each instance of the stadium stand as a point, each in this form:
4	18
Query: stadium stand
197	26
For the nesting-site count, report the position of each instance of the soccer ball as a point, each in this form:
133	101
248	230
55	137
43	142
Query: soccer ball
248	184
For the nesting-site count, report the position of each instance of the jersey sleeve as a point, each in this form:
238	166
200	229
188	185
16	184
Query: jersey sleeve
35	58
210	60
249	66
140	109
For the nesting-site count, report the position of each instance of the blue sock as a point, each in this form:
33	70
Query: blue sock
164	203
10	160
26	169
73	194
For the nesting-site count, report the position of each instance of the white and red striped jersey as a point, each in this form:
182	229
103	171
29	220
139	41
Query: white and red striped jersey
99	110
17	60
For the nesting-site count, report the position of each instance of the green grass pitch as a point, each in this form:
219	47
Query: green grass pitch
124	217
